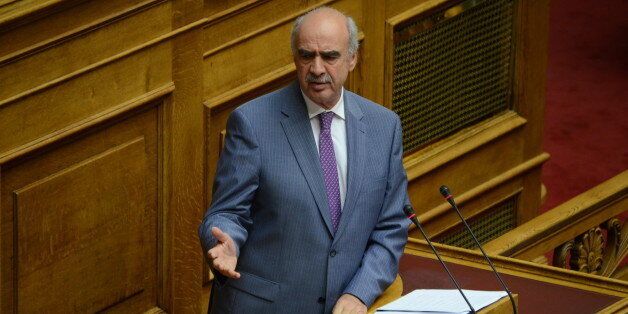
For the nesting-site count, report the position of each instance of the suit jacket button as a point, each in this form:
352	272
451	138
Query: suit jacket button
321	300
332	253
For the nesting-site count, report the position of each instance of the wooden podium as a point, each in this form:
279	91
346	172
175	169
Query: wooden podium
502	306
540	288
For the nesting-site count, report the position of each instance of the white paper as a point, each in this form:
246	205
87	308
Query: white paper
441	301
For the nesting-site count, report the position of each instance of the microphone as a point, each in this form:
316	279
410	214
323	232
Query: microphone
412	216
444	191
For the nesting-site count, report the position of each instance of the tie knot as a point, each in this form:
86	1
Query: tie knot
325	119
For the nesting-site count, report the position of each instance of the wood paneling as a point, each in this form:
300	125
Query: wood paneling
563	223
33	24
256	17
102	170
112	114
75	51
123	80
79	222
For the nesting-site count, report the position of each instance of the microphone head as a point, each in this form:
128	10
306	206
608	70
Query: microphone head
444	191
408	210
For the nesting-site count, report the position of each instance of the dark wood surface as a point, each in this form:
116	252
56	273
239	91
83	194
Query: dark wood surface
534	296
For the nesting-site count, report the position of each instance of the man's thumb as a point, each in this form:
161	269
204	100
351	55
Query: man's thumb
219	235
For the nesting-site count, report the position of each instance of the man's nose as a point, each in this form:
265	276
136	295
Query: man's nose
317	67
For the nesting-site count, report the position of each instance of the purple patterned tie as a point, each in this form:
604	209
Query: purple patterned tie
328	163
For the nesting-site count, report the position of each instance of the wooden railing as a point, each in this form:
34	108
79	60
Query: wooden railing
584	232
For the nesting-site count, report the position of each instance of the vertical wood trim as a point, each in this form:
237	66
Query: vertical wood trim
531	33
389	56
163	194
372	66
15	254
186	152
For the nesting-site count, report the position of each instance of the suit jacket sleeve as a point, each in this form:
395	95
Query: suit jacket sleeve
381	259
235	184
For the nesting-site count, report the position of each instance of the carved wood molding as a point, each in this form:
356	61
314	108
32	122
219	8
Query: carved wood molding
617	248
600	250
87	123
103	63
423	161
563	223
518	267
481	189
261	30
57	40
233	11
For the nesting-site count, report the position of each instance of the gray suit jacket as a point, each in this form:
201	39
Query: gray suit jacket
269	196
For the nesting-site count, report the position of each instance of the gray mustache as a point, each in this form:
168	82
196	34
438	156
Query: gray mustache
325	78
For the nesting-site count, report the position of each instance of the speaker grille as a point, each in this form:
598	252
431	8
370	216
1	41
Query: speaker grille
454	72
487	226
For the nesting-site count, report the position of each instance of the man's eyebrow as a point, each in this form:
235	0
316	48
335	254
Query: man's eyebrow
330	54
304	52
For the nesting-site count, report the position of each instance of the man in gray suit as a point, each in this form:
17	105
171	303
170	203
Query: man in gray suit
306	215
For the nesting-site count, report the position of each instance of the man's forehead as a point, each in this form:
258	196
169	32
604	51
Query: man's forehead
325	26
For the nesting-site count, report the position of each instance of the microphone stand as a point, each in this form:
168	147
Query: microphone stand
444	190
412	216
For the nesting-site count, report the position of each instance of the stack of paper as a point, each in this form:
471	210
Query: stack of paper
441	301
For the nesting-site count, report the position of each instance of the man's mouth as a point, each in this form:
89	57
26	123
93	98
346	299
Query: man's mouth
318	86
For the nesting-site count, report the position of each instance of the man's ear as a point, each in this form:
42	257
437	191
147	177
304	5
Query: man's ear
353	61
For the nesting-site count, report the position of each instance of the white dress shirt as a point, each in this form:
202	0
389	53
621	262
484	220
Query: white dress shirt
338	136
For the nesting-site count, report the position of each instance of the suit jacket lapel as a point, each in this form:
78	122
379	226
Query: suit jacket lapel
356	154
298	130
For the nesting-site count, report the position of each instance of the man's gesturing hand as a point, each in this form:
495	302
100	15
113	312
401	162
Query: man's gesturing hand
224	255
349	304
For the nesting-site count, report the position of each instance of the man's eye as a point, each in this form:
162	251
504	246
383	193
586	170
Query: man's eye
330	56
306	55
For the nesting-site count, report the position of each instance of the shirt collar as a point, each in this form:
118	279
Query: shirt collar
314	110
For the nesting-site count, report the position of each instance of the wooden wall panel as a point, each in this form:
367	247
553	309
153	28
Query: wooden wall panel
78	50
231	25
95	91
472	169
215	7
79	222
104	99
250	59
38	23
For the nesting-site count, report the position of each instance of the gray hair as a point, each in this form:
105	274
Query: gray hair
352	29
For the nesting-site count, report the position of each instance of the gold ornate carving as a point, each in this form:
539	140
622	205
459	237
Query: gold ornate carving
586	255
599	251
616	249
561	253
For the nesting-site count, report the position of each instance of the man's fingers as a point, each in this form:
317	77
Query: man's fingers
233	274
349	304
226	270
214	252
